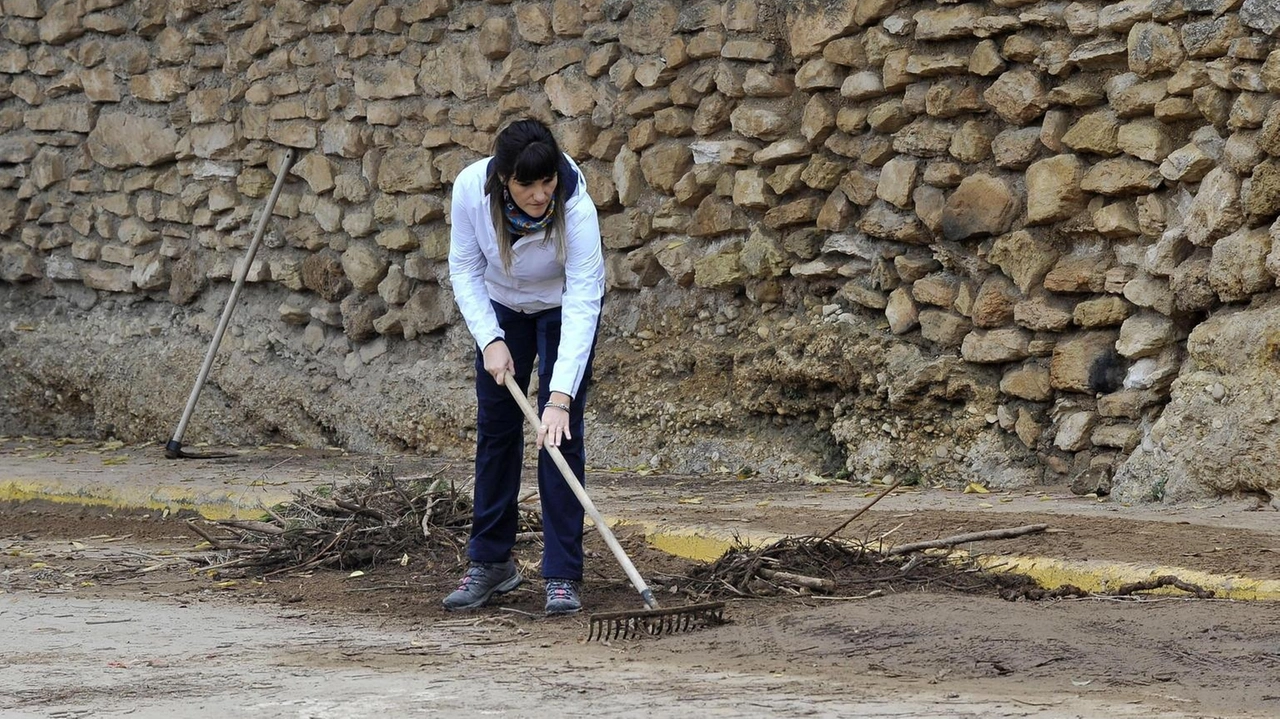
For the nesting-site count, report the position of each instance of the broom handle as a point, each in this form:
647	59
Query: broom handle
618	553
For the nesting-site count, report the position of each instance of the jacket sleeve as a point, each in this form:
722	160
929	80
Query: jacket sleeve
467	264
583	293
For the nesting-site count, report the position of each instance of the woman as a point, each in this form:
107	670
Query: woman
528	274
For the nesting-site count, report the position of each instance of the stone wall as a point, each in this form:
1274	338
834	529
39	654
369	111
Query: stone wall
956	240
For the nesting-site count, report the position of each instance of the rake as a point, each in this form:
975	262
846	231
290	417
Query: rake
650	621
173	449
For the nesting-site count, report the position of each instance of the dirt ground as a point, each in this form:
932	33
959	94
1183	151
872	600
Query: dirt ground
116	613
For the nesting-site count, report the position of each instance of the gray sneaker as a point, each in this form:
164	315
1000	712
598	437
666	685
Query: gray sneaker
481	582
562	597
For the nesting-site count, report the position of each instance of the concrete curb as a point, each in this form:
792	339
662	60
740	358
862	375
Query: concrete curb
696	543
1100	576
248	502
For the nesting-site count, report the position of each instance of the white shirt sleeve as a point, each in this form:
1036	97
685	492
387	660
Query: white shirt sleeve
467	262
583	294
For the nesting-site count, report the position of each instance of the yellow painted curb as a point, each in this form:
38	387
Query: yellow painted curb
699	545
703	545
174	499
1101	577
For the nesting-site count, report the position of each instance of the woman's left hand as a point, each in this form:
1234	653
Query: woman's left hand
555	423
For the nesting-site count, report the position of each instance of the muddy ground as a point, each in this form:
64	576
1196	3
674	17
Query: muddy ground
109	614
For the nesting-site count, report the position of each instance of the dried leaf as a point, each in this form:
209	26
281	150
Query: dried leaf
690	500
975	488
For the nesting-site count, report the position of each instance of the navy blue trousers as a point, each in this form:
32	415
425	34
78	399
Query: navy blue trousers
500	452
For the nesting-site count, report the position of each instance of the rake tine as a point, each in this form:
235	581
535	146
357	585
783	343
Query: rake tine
654	622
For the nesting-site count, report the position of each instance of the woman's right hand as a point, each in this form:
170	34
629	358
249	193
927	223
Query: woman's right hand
498	362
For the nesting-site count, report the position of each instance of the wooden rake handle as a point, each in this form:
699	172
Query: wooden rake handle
618	553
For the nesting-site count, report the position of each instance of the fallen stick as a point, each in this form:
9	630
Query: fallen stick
800	580
1163	581
422	477
215	542
316	559
862	511
964	538
251	526
1124	590
869	595
358	509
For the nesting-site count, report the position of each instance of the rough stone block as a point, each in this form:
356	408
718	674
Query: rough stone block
1238	269
995	346
981	205
1087	363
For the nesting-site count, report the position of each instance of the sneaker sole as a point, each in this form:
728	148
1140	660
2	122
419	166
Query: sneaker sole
562	612
503	588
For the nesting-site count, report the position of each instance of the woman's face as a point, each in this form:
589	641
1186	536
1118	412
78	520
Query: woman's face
533	197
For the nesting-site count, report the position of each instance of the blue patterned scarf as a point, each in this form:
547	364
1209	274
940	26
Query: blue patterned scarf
520	222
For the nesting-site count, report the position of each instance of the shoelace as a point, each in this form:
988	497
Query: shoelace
560	590
467	578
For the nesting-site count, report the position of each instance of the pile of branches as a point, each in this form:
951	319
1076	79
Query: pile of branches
374	520
820	566
824	565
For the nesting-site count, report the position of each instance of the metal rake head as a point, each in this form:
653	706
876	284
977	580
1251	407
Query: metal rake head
654	622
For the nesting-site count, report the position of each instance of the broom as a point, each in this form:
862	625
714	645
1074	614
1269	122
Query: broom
652	620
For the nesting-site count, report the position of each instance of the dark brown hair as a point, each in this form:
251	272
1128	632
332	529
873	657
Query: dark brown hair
525	151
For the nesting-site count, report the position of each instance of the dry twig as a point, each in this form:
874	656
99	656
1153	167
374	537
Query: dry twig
966	538
862	511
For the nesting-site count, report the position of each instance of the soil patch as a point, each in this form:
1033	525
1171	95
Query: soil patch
1135	657
59	549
